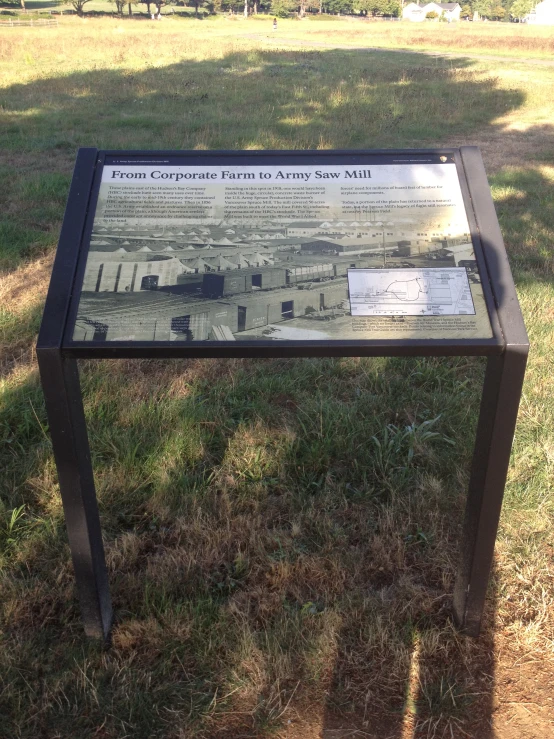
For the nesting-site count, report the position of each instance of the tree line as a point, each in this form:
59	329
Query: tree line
498	10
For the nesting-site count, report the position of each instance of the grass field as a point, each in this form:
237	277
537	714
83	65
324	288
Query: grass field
281	535
516	40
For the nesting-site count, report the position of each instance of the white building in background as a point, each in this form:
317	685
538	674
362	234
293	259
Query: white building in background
542	15
450	11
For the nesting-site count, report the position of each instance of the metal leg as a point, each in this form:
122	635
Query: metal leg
60	382
495	432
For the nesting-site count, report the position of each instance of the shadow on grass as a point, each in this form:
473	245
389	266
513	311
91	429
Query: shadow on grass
269	562
255	99
270	553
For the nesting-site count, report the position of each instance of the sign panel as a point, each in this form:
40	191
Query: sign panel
252	252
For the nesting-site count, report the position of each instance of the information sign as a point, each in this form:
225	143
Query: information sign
272	254
194	252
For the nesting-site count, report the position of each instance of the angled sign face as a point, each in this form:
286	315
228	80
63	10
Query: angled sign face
256	250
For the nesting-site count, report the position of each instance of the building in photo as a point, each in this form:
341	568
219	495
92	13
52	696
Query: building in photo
416	13
542	15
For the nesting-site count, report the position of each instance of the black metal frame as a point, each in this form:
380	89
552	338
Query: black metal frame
506	351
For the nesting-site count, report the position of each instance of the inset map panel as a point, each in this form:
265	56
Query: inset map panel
410	292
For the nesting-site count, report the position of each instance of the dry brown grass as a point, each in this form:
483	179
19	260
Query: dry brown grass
22	293
486	38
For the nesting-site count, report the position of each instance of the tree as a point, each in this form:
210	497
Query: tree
432	15
466	11
375	7
156	3
337	6
498	12
79	5
394	8
506	4
195	4
482	7
283	8
520	8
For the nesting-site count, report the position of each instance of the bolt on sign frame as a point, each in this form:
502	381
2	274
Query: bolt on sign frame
251	224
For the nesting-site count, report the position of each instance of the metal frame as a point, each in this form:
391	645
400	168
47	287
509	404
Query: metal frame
506	355
498	414
60	382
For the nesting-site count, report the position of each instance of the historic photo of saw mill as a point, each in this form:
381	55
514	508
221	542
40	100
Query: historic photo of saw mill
230	280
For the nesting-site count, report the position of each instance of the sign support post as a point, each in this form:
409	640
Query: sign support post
497	420
62	392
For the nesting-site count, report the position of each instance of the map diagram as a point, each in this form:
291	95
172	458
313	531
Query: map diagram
410	292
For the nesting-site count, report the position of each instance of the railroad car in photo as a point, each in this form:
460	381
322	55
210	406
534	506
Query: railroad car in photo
312	272
221	284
